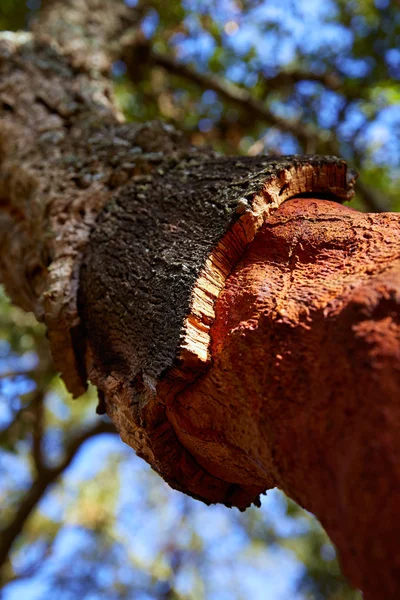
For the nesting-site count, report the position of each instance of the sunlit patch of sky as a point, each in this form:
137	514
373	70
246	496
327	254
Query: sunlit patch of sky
393	59
70	545
301	22
20	589
355	67
18	362
14	471
56	405
5	349
273	506
149	23
383	135
53	445
286	111
11	390
13	387
224	542
280	142
93	456
329	107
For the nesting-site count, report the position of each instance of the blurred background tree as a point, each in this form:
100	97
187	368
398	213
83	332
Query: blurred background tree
81	516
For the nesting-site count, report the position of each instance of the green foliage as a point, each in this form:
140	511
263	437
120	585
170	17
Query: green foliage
15	14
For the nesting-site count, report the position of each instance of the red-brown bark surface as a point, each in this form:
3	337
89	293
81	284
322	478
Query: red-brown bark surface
301	390
304	388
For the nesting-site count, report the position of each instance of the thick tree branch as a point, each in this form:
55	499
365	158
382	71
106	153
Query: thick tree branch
55	114
331	81
239	322
44	479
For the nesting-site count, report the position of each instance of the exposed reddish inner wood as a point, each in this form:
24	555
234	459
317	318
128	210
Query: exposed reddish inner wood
195	347
137	403
304	387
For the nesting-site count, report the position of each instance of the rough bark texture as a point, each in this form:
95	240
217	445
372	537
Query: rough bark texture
63	153
242	328
155	265
303	391
173	240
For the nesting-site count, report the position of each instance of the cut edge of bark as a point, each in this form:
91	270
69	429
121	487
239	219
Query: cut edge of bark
139	408
301	179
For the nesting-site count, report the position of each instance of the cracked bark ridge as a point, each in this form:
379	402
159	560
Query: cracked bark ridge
86	30
155	265
63	153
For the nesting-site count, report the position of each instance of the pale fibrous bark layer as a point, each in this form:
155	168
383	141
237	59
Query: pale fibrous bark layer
241	325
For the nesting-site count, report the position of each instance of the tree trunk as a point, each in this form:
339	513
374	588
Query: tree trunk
241	325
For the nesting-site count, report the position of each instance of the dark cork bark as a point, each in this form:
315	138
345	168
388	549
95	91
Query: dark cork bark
241	325
63	153
152	241
151	247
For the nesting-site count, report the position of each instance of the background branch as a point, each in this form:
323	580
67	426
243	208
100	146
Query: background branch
38	430
44	479
136	50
